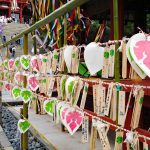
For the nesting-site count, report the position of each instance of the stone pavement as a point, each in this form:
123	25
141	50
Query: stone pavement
14	28
4	140
6	97
60	140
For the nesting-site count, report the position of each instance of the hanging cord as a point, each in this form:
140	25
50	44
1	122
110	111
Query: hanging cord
88	114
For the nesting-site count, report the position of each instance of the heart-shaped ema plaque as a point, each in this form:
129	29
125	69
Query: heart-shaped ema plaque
8	87
68	56
49	106
25	62
33	82
139	48
72	119
60	106
34	63
18	77
26	95
69	87
16	92
11	64
135	67
93	56
62	110
17	63
23	125
5	63
7	75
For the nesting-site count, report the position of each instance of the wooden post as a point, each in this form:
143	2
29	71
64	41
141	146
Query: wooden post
7	55
21	14
111	21
7	52
116	37
25	106
121	18
21	141
9	10
65	30
35	52
65	43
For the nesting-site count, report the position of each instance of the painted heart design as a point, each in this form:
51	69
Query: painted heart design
34	64
59	107
26	95
63	111
119	139
49	106
11	63
8	87
24	60
69	87
23	125
17	63
135	67
44	59
93	56
73	120
33	82
5	63
139	48
68	56
18	78
16	92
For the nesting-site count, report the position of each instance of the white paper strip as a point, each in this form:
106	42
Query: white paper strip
102	131
121	107
124	61
50	86
108	99
85	130
84	95
145	146
105	63
111	60
118	140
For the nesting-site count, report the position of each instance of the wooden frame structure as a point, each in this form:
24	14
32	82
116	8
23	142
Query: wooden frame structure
6	5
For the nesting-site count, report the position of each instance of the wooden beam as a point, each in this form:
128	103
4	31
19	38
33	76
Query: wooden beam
25	105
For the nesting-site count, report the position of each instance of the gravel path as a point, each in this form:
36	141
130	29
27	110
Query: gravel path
10	128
